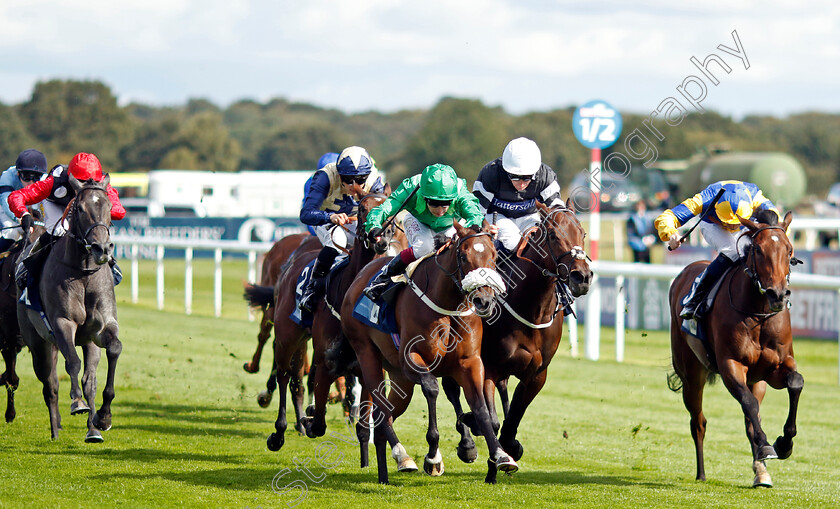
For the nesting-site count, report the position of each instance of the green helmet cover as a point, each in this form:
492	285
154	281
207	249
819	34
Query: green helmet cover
439	182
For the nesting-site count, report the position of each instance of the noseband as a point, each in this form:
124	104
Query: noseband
467	282
75	229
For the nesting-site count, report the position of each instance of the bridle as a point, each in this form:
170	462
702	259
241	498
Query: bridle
75	231
574	253
458	275
748	262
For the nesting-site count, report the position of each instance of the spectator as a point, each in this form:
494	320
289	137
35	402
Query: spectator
640	233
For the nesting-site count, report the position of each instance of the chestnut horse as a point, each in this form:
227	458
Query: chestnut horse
439	323
749	340
522	337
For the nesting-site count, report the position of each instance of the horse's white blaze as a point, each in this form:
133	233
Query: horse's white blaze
479	248
94	199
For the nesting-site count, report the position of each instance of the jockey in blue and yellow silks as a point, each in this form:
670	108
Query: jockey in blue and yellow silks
721	229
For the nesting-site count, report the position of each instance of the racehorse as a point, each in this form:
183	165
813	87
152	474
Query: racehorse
326	321
441	336
77	293
522	338
749	342
11	341
272	267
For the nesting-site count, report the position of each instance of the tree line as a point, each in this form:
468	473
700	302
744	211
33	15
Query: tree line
63	117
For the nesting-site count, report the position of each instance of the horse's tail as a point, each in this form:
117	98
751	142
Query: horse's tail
340	358
259	296
674	381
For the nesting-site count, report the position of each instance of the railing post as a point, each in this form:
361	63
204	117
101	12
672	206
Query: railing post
619	318
217	280
135	276
573	331
188	280
592	341
159	257
252	278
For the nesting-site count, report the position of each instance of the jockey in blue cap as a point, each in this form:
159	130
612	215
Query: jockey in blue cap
332	203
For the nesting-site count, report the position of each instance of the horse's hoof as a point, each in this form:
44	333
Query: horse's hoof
78	407
407	465
467	451
491	472
264	399
103	424
275	442
10	415
250	369
513	448
762	477
766	452
433	466
94	437
506	464
783	447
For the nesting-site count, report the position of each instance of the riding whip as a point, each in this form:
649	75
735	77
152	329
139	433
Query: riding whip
390	220
702	216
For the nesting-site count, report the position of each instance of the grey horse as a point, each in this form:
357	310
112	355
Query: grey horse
77	293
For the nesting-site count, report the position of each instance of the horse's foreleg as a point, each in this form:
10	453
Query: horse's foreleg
364	425
502	387
784	444
262	337
264	397
316	424
65	333
296	390
278	438
433	462
472	378
9	377
92	354
734	377
44	357
113	349
523	396
467	451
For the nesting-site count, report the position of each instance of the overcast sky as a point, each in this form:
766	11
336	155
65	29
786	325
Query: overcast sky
387	55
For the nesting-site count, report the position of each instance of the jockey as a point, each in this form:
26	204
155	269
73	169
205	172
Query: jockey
720	228
30	166
442	197
509	187
329	157
332	203
56	192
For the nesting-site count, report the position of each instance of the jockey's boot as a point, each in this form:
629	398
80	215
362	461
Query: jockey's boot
5	244
115	271
377	286
314	291
702	284
30	267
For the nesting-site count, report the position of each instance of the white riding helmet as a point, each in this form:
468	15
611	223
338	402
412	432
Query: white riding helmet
521	157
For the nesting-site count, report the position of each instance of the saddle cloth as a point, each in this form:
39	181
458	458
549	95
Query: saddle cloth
381	314
697	328
304	318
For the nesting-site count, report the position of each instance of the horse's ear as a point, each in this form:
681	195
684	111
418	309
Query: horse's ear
569	203
749	224
786	221
386	190
106	180
460	230
543	209
74	183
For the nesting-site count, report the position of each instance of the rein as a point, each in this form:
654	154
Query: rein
576	252
72	209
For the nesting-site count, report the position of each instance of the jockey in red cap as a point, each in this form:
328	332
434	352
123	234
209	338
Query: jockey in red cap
55	191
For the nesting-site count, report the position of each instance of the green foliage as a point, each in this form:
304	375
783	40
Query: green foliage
463	133
14	137
299	147
77	116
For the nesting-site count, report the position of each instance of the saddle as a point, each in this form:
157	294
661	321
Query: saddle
304	318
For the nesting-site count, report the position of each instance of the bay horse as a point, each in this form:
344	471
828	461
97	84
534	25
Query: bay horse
11	341
289	337
326	323
522	337
749	342
77	293
441	330
272	267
